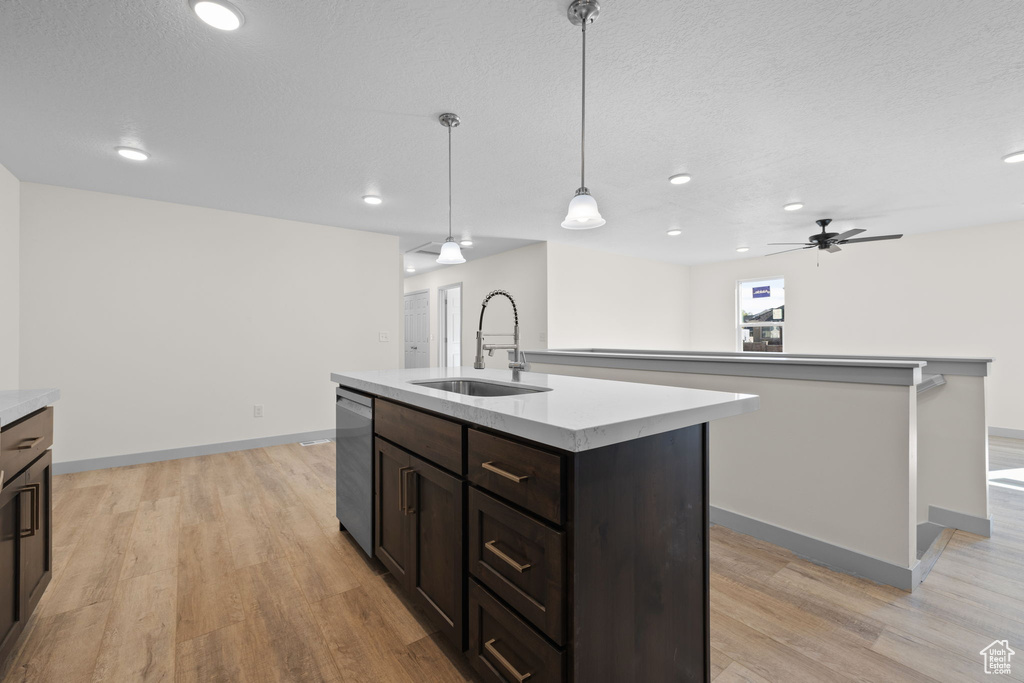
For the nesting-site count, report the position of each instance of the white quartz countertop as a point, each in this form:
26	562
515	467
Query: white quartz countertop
578	414
17	403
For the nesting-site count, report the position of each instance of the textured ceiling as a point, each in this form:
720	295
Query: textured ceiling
895	114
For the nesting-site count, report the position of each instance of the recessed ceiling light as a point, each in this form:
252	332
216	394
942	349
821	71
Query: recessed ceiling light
410	270
372	199
132	153
742	249
795	206
466	243
1014	158
680	179
217	13
674	232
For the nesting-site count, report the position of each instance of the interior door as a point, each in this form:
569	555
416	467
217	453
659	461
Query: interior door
450	305
417	330
434	502
392	532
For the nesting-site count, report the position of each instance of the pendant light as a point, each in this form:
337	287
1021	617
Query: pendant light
450	252
583	213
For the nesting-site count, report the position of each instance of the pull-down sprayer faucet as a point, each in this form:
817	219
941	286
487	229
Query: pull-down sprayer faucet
517	363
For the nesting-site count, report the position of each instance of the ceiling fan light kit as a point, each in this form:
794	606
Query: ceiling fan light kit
450	253
583	213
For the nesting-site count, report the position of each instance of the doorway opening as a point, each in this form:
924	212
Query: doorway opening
449	304
417	329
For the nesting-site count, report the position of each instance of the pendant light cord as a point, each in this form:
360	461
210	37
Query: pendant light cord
449	181
583	117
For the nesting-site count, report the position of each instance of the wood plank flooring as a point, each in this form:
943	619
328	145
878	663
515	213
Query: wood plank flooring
231	568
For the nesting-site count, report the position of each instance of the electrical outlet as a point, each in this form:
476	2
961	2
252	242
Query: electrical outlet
543	336
257	411
385	336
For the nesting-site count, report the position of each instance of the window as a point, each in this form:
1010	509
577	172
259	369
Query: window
762	314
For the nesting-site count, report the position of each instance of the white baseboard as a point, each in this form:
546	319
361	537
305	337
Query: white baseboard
70	466
822	552
1006	433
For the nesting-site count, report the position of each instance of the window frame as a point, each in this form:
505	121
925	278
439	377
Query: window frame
738	313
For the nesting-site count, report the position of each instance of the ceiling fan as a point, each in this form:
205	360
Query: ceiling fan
830	241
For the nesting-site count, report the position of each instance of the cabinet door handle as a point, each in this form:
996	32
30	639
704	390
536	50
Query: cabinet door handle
410	490
401	489
517	478
491	545
31	444
34	525
489	646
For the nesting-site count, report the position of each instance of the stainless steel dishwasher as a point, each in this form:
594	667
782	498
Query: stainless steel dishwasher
354	453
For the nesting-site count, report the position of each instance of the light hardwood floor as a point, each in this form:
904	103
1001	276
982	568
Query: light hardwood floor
231	568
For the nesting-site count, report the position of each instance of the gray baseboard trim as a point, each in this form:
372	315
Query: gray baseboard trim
1006	433
821	552
186	452
982	526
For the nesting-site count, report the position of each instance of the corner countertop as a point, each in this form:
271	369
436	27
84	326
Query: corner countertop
17	403
578	414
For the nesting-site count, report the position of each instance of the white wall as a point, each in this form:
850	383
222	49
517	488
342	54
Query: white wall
605	300
522	272
163	324
769	465
9	280
950	293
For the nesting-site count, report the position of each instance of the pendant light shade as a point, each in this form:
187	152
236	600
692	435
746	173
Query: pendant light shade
450	253
583	213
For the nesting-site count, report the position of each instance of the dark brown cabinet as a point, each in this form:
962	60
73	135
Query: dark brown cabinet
437	578
25	548
26	534
581	567
419	534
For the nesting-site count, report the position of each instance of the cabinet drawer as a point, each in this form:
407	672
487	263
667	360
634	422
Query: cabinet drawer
504	649
524	475
521	560
427	436
23	441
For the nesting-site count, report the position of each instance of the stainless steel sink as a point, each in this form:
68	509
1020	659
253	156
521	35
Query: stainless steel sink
476	387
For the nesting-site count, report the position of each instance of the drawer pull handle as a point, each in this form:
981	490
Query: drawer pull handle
401	489
31	444
517	478
34	525
490	545
489	646
410	489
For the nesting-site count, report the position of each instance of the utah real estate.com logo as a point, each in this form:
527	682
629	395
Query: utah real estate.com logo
997	657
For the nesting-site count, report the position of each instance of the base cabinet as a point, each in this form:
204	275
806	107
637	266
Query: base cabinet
584	567
419	535
26	547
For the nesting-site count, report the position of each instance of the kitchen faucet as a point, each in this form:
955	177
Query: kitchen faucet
518	362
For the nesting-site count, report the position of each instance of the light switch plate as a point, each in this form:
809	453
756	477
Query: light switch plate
385	336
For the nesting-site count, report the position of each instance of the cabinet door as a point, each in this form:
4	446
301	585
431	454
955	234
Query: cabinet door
437	581
392	532
36	536
12	614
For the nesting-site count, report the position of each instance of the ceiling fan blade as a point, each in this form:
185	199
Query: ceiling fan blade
833	248
873	239
786	251
848	234
787	244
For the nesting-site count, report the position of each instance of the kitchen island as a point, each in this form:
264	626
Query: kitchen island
557	533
